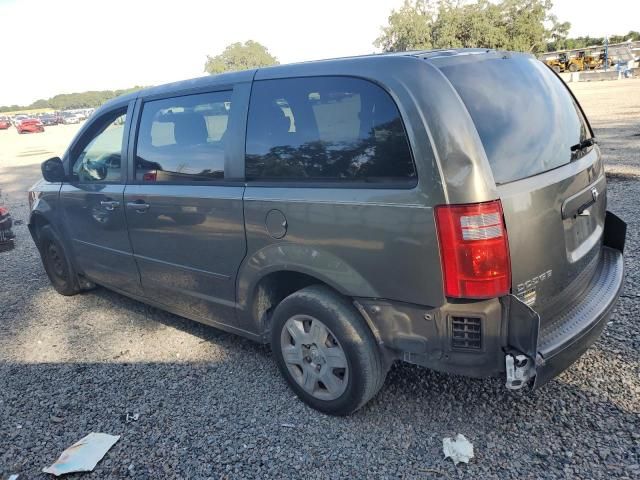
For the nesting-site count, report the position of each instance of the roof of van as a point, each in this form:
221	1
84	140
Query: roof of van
287	69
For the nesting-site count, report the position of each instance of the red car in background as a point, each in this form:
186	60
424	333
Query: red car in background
5	123
29	125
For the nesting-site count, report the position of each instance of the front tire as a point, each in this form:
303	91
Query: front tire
57	263
326	351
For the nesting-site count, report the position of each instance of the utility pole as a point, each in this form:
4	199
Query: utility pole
606	53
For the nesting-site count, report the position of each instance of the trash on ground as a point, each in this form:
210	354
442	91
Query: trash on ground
288	425
14	476
56	419
6	234
83	455
132	417
459	449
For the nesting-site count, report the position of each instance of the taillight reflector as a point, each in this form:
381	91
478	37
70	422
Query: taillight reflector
474	250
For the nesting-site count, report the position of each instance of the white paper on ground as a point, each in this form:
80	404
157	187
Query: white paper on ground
83	455
459	450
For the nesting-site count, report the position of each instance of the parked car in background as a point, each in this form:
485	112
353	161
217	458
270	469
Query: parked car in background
48	119
69	118
442	208
5	122
6	234
17	118
29	125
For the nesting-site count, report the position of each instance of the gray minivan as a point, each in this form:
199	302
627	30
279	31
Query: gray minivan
443	208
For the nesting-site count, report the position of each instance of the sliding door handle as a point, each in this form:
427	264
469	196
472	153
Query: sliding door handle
139	207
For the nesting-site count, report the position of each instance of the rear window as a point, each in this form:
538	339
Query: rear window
526	117
335	129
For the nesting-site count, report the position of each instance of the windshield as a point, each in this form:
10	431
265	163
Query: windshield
527	119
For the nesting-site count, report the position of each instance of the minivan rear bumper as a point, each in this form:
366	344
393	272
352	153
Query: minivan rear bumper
575	329
508	335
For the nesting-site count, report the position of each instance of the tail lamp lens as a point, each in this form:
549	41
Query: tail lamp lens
474	250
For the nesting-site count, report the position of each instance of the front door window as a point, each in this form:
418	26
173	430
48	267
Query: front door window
101	157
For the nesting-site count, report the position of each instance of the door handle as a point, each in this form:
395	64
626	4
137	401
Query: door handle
139	207
110	205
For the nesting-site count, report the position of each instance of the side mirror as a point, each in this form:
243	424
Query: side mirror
53	170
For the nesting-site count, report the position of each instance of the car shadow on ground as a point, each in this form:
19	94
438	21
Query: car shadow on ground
198	417
195	418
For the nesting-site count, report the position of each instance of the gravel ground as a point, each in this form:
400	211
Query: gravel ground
212	405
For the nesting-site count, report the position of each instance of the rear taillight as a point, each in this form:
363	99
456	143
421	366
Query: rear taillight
474	250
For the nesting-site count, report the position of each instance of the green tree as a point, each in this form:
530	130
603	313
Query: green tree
72	100
410	28
632	35
565	43
42	103
521	25
240	56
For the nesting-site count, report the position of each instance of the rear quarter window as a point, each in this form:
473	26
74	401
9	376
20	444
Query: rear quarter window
336	129
525	116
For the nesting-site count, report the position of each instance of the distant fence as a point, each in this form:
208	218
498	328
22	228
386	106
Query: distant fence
599	76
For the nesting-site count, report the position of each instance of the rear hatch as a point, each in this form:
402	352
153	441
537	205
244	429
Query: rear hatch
549	173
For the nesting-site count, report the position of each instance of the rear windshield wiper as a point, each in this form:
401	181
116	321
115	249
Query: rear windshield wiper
583	144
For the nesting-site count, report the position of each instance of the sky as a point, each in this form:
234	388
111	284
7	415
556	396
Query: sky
65	46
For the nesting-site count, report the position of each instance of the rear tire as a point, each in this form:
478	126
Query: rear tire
57	263
333	362
573	67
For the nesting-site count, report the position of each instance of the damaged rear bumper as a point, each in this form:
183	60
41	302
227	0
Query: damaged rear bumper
541	353
576	329
502	337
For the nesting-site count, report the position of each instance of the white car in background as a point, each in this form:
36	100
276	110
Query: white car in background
18	118
69	118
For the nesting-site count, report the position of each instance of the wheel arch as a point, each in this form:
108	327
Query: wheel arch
37	220
273	273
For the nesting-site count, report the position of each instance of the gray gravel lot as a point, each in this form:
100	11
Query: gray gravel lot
213	405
